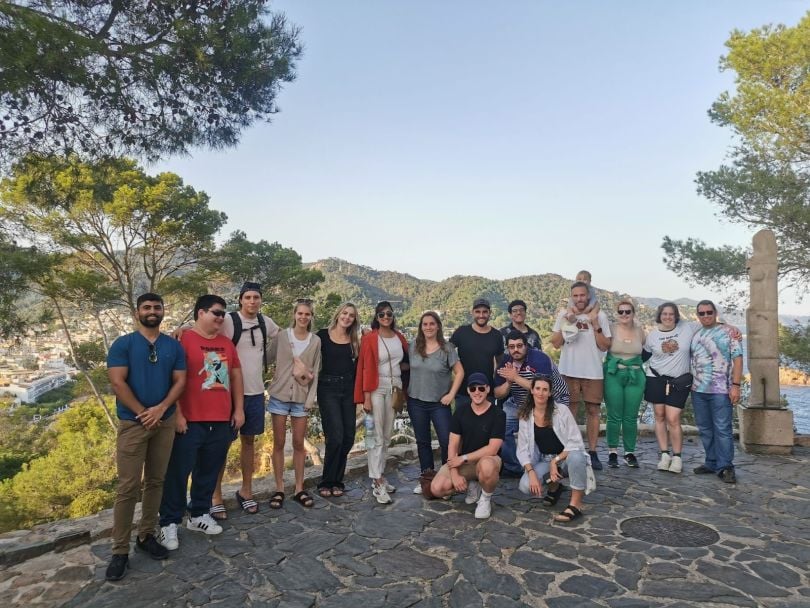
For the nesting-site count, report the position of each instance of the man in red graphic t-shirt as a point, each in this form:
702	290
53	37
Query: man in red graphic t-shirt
210	412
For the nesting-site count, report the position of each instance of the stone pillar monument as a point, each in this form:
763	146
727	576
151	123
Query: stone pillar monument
766	427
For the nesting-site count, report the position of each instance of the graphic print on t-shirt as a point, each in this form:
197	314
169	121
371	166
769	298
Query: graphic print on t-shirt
215	369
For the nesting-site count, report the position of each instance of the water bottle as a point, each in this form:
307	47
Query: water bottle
369	423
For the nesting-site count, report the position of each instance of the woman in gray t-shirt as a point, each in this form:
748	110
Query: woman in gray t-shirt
436	376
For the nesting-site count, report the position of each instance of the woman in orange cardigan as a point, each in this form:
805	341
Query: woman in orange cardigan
383	358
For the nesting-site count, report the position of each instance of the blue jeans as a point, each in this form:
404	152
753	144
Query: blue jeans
336	403
713	416
575	464
199	452
422	413
509	447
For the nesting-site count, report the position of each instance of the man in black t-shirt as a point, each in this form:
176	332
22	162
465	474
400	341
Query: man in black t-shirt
476	435
479	345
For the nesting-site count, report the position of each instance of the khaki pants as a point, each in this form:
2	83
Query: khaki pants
141	455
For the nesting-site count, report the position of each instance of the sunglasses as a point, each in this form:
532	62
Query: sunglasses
481	388
705	313
218	313
153	354
625	311
384	314
307	301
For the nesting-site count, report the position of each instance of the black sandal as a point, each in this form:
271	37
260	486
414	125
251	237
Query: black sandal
304	499
218	512
325	492
551	497
277	500
248	505
568	514
337	491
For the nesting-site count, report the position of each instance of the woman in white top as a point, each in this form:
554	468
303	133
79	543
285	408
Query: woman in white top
383	358
669	380
297	353
549	442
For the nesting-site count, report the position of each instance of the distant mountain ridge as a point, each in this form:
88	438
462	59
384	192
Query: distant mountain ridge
453	297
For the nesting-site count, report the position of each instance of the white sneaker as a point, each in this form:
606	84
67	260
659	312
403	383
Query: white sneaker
418	489
663	464
389	488
484	508
473	492
381	494
168	537
204	523
676	466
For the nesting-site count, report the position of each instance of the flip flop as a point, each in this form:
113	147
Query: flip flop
218	512
304	499
248	505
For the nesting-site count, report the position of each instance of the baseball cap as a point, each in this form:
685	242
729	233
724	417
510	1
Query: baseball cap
477	379
250	286
481	303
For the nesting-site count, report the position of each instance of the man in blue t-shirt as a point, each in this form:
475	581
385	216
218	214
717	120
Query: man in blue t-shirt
513	382
147	370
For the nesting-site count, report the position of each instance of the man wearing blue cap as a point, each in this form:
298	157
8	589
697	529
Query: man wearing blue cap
476	435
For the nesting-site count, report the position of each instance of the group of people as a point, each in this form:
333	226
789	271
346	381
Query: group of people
499	406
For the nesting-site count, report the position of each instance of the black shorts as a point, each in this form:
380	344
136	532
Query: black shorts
656	390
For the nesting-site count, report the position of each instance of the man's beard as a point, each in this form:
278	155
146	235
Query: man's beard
150	321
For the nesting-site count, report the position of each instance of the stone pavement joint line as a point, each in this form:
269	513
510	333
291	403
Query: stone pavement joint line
355	553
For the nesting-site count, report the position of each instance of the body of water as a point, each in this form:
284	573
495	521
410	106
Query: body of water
798	398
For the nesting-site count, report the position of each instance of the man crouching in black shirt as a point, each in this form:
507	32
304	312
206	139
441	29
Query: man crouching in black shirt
476	435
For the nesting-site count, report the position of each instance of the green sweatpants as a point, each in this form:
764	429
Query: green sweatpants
624	390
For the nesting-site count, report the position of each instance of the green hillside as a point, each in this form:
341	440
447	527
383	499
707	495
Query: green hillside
453	296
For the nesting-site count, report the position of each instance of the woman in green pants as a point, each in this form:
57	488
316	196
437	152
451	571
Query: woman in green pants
624	384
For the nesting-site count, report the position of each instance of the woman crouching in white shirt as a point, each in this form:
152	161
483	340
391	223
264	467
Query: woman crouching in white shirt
549	442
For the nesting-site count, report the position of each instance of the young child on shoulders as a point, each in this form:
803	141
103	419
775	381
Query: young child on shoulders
593	305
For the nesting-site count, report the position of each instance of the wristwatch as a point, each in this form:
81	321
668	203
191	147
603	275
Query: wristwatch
464	457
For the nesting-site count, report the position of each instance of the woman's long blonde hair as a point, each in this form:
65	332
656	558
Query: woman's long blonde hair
354	328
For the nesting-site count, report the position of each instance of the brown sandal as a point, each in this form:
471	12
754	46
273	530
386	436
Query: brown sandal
304	499
277	500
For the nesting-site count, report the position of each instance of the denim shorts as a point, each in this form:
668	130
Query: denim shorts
254	415
286	408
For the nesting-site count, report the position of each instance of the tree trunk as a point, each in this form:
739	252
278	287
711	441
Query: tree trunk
87	377
313	452
104	339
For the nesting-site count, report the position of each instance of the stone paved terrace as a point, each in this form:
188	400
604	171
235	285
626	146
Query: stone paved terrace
352	552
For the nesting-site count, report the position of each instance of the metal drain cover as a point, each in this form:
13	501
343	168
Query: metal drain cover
669	531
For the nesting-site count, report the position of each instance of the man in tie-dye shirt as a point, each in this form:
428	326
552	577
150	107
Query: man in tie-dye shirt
717	370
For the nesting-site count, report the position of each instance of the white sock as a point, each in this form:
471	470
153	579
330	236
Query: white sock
485	493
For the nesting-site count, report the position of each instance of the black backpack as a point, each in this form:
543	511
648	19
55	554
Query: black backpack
237	333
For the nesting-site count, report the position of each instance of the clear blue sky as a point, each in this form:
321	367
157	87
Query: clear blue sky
495	139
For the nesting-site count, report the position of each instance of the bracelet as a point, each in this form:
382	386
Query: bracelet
735	384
